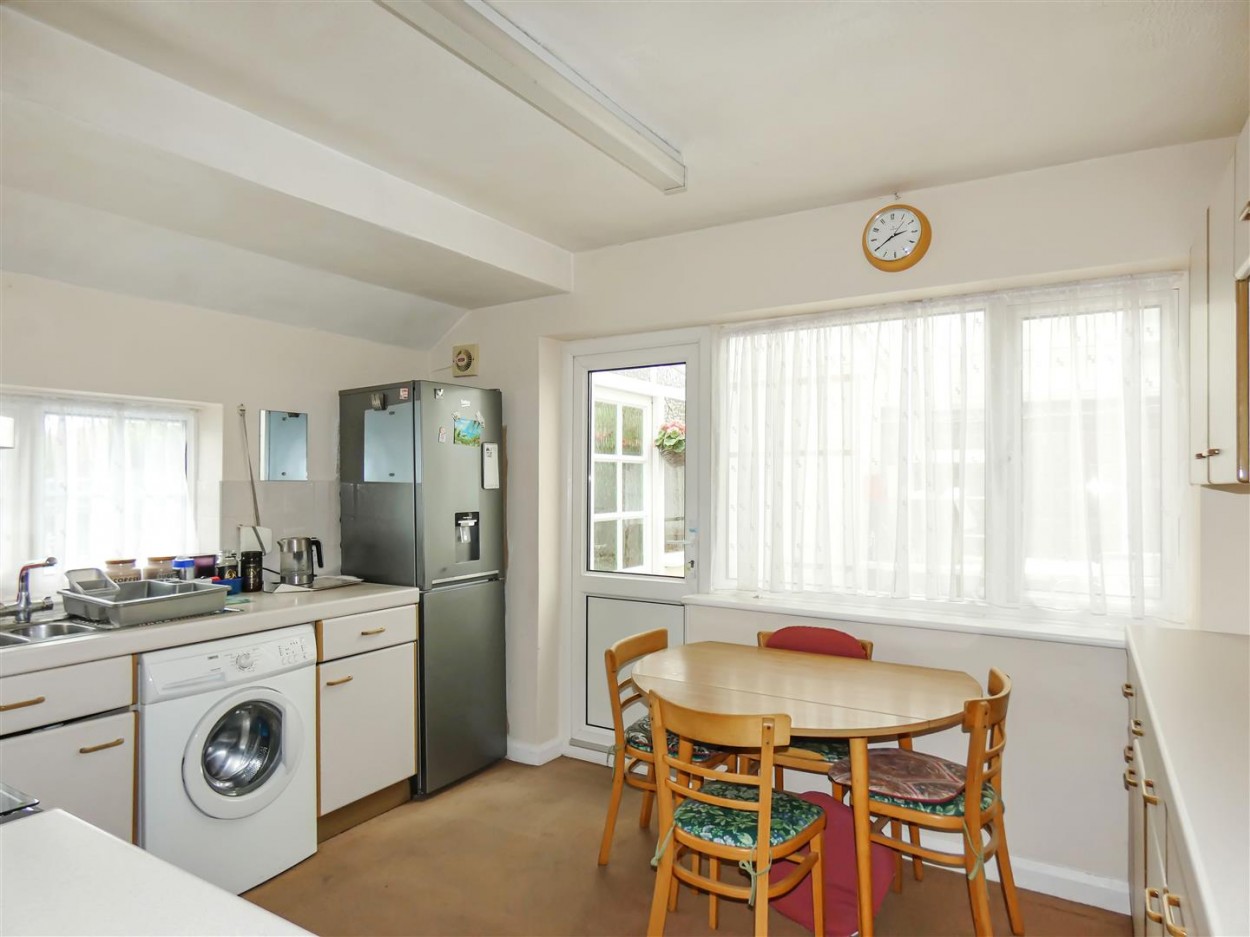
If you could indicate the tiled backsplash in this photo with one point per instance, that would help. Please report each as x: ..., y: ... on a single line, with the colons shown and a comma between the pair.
x: 289, y: 509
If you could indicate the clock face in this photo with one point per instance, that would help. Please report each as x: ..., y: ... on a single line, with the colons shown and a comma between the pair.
x: 893, y: 233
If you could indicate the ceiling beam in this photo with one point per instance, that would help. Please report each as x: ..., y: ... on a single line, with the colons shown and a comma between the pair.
x: 477, y: 33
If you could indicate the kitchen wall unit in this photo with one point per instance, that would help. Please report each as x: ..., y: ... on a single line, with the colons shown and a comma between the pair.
x: 366, y: 699
x: 1241, y: 204
x: 1219, y: 334
x: 1188, y: 780
x: 58, y: 747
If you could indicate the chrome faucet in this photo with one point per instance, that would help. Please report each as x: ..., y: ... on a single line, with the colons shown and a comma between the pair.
x: 21, y: 609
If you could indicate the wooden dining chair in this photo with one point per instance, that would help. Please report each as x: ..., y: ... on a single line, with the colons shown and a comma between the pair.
x: 633, y: 762
x: 815, y: 754
x: 729, y: 817
x: 914, y: 788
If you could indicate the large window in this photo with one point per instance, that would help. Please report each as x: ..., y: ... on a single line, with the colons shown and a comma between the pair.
x: 1019, y: 449
x: 91, y: 479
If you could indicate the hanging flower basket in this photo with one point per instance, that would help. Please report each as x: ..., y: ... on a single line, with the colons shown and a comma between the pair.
x: 670, y: 439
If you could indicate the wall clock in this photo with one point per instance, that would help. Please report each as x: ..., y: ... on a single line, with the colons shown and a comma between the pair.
x: 896, y: 237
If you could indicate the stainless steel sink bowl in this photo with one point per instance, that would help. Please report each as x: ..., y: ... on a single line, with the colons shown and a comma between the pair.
x: 58, y: 629
x: 10, y: 640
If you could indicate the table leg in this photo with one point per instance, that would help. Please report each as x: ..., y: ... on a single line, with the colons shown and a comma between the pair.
x: 863, y: 832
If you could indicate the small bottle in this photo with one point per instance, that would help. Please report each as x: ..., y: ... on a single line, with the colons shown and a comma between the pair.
x: 184, y: 567
x: 250, y: 570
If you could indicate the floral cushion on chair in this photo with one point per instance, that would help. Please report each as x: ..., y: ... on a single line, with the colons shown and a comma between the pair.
x: 907, y: 778
x: 728, y: 827
x: 826, y: 749
x: 638, y: 735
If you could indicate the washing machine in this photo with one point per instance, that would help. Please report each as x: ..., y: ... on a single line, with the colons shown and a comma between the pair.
x: 228, y: 755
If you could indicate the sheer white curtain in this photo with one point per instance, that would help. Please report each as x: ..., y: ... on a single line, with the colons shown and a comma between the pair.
x: 1014, y: 449
x: 92, y: 479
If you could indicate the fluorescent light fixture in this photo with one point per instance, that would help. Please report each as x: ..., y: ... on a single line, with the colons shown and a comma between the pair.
x: 479, y: 34
x: 6, y: 432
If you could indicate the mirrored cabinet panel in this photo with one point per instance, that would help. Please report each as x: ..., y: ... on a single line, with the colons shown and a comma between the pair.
x: 283, y: 446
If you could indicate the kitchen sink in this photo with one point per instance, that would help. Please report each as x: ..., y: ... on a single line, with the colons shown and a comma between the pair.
x: 46, y: 630
x: 9, y: 640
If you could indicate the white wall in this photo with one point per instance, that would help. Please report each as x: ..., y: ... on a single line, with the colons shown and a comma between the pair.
x: 64, y: 337
x: 1127, y: 213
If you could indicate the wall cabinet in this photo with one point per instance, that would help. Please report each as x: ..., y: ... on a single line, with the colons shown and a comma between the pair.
x: 1219, y: 338
x: 82, y: 762
x: 1241, y: 204
x: 366, y: 699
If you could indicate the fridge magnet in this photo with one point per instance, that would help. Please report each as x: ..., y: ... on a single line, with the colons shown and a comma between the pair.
x: 442, y: 434
x: 466, y: 432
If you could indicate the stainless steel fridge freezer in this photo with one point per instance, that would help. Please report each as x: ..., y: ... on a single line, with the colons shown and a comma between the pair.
x: 421, y: 505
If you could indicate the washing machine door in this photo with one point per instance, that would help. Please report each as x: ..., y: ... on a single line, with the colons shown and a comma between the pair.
x: 243, y: 753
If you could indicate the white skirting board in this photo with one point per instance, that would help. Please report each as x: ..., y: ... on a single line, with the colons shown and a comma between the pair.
x: 1069, y: 884
x: 527, y: 754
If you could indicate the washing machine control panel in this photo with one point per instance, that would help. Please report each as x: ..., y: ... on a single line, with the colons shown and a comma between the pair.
x: 184, y: 671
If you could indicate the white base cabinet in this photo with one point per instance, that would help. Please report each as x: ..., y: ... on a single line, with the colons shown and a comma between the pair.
x: 366, y: 703
x: 86, y: 768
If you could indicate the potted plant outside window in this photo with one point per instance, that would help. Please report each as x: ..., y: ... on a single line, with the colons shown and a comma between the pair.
x: 670, y: 439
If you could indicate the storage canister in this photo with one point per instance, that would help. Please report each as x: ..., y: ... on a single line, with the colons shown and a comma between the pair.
x: 250, y: 569
x: 121, y: 570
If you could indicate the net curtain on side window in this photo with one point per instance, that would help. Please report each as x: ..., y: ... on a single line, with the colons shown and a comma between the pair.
x: 1018, y: 449
x: 94, y: 478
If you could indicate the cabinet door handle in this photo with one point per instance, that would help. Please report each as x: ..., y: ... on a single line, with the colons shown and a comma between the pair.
x: 1245, y: 212
x: 88, y: 749
x: 1171, y: 901
x: 1152, y: 895
x: 1200, y: 455
x: 1148, y: 792
x: 1213, y: 452
x: 1136, y: 729
x: 371, y: 631
x: 339, y: 682
x: 1127, y: 690
x: 1128, y: 754
x: 23, y: 704
x: 1130, y: 777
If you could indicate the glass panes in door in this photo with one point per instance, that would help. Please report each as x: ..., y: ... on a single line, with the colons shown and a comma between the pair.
x: 637, y: 471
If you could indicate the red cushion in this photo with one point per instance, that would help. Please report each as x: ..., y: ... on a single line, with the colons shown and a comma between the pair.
x: 838, y: 859
x: 816, y: 641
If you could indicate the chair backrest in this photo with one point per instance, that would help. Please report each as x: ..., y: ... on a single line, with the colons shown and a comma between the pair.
x: 623, y: 693
x: 816, y: 641
x: 985, y: 721
x: 680, y: 778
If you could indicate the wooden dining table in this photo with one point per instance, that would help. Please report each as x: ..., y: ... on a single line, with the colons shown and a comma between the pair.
x: 824, y: 696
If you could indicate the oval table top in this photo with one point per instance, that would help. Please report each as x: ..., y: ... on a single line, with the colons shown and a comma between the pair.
x: 829, y: 697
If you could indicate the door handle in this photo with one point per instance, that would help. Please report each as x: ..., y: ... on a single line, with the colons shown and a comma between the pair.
x: 89, y: 749
x: 339, y: 682
x: 1130, y: 778
x: 1136, y: 728
x: 1213, y: 452
x: 371, y: 631
x: 23, y: 704
x: 1152, y: 895
x: 1148, y: 792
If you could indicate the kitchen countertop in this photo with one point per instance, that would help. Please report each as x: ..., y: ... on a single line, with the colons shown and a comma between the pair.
x: 64, y: 876
x: 1196, y: 685
x: 263, y: 612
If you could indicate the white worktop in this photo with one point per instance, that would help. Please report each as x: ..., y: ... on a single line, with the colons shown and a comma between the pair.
x: 262, y: 612
x: 64, y: 876
x: 1196, y: 685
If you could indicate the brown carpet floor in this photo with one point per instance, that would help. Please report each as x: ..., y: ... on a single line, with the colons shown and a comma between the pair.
x: 512, y: 851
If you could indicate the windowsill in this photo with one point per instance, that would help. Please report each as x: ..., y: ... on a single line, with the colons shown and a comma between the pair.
x: 992, y: 622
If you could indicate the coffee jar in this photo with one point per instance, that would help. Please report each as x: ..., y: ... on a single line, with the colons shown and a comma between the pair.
x: 250, y: 570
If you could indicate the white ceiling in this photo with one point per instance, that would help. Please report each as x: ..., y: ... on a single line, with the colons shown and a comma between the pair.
x: 775, y: 106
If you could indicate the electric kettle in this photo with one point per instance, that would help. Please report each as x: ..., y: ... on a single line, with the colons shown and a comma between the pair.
x: 296, y: 560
